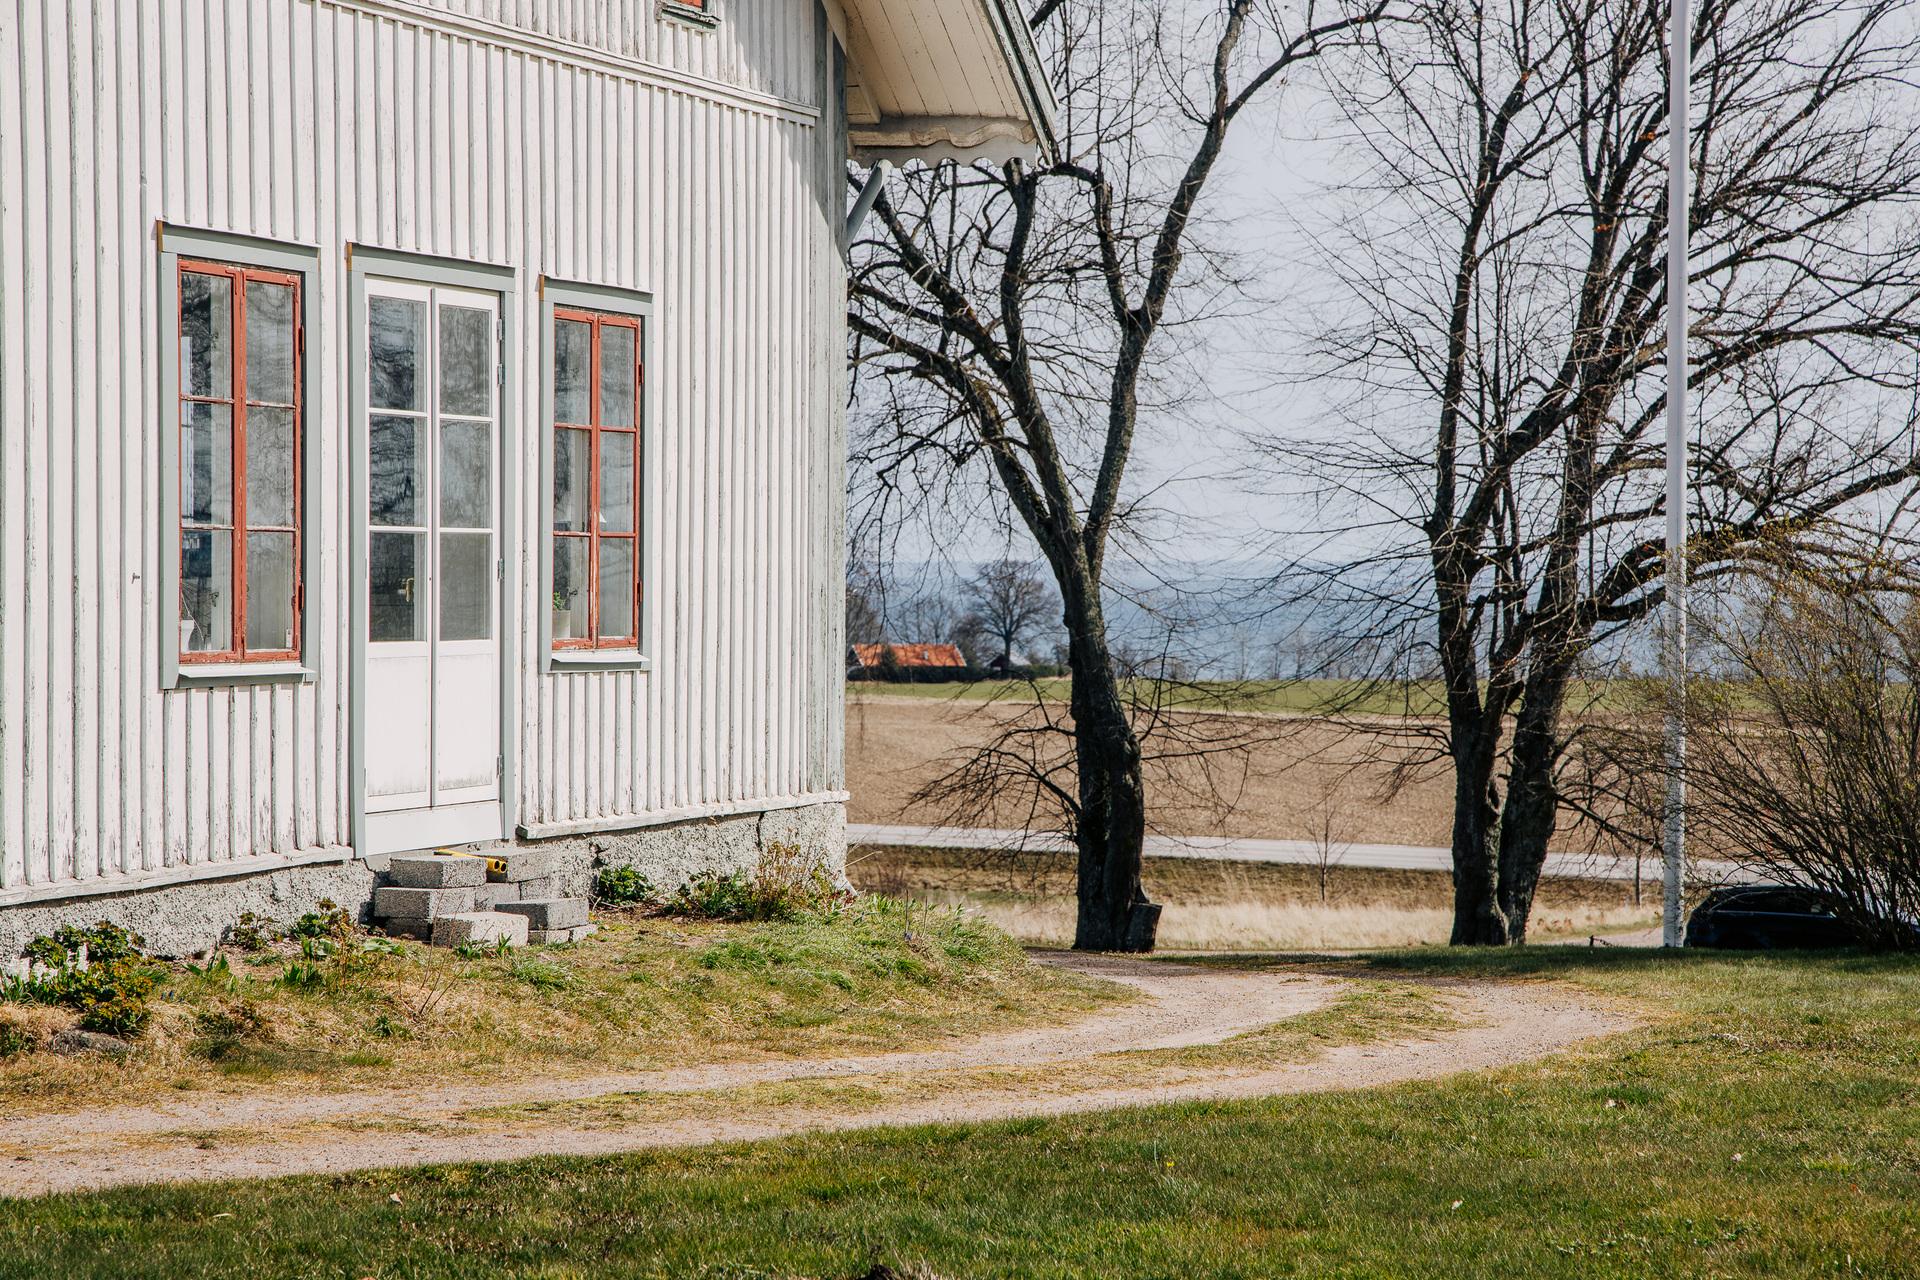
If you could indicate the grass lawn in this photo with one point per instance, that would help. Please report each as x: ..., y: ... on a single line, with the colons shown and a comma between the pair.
x: 1765, y: 1122
x: 645, y: 992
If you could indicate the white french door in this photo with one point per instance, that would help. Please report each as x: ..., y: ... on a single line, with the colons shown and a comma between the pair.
x: 431, y: 617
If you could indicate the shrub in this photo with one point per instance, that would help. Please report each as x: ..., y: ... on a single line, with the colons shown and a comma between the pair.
x: 100, y: 973
x: 1803, y: 755
x: 788, y: 883
x: 330, y: 921
x: 619, y: 886
x: 249, y: 932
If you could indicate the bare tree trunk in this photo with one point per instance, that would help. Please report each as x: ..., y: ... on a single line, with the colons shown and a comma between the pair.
x: 1476, y: 860
x: 1114, y: 914
x: 1532, y: 811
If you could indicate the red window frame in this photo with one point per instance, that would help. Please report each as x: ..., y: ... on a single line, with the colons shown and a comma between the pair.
x: 596, y: 430
x: 238, y: 403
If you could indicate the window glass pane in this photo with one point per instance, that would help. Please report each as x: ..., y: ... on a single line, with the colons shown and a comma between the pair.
x: 616, y: 587
x: 396, y: 341
x: 466, y: 586
x: 616, y: 482
x: 206, y: 335
x: 270, y: 591
x: 570, y: 617
x: 396, y: 591
x: 616, y: 376
x: 572, y: 370
x: 269, y: 341
x: 206, y: 463
x: 206, y: 591
x: 572, y: 490
x: 269, y: 467
x: 466, y: 361
x: 396, y: 471
x: 466, y: 475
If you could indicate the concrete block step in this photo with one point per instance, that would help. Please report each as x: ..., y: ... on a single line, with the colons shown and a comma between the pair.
x: 550, y: 913
x: 436, y: 871
x: 420, y: 904
x: 480, y: 926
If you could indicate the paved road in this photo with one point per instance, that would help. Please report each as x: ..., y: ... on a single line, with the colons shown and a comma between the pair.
x: 1396, y: 857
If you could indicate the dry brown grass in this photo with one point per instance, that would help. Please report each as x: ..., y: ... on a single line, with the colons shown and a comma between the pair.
x: 1214, y: 905
x: 643, y: 993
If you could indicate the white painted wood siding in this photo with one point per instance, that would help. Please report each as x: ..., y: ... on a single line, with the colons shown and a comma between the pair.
x: 696, y: 166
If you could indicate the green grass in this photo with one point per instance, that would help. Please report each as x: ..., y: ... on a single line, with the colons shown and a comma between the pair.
x: 1806, y: 1068
x: 645, y: 992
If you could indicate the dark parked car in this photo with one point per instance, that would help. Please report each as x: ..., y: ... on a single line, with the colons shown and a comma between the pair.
x: 1768, y: 917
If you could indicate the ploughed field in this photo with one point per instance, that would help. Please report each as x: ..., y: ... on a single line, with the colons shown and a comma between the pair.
x: 899, y: 735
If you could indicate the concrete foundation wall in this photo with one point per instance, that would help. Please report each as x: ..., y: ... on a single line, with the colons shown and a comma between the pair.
x: 189, y: 918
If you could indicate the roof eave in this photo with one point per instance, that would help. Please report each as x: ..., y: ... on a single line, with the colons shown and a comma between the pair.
x: 1031, y: 135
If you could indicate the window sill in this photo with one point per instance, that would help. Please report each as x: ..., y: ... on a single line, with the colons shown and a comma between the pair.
x: 588, y: 660
x: 699, y: 19
x: 201, y: 675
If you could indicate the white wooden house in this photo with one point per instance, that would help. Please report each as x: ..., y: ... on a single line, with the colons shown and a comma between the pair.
x: 420, y: 423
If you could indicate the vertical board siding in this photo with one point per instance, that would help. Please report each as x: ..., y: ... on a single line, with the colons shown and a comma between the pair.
x: 764, y: 46
x: 419, y: 127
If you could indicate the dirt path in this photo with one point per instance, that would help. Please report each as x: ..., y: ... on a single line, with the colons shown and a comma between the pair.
x: 1185, y: 1005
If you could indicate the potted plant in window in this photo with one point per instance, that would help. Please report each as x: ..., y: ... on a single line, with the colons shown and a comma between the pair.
x: 563, y: 615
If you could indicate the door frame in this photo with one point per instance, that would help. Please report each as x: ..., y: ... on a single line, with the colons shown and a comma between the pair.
x: 363, y: 262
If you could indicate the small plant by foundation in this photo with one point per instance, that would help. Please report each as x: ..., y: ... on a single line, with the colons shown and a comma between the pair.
x: 788, y: 883
x: 623, y: 886
x: 100, y: 973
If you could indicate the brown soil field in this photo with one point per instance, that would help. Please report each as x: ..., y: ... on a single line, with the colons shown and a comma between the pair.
x: 896, y: 745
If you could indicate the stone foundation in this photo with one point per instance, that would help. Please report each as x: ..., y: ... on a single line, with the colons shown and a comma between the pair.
x: 186, y: 919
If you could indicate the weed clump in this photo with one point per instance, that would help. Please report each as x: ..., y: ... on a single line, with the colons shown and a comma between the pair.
x: 623, y: 886
x: 101, y: 973
x: 787, y: 884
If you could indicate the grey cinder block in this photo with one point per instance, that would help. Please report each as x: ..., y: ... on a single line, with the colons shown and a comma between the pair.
x: 574, y: 934
x: 523, y: 864
x: 420, y: 904
x: 409, y: 927
x: 550, y: 913
x: 540, y: 887
x: 489, y: 896
x: 480, y: 926
x: 430, y: 871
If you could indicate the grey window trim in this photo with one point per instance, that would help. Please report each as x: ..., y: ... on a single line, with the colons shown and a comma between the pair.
x: 626, y: 302
x: 176, y: 242
x: 364, y: 261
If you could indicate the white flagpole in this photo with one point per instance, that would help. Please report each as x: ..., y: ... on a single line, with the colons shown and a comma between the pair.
x: 1674, y: 834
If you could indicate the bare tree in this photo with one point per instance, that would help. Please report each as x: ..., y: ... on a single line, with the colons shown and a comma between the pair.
x: 1804, y: 753
x: 1499, y: 453
x: 1330, y: 845
x: 866, y: 603
x: 1009, y: 600
x: 1010, y: 321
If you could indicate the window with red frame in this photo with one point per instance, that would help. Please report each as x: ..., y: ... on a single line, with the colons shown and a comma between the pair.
x: 597, y: 380
x: 240, y: 484
x: 700, y: 11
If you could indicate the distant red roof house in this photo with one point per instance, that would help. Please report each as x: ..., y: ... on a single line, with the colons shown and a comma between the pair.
x: 909, y: 655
